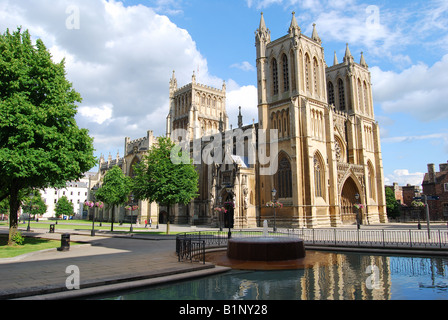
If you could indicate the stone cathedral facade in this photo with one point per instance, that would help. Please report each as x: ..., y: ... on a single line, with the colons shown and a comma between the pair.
x: 315, y: 123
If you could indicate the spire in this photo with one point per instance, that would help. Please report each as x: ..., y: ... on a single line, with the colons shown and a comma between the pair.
x: 315, y: 36
x: 193, y: 78
x: 348, y: 55
x: 363, y: 61
x: 262, y: 27
x: 335, y: 61
x: 173, y: 81
x: 240, y: 119
x: 294, y: 28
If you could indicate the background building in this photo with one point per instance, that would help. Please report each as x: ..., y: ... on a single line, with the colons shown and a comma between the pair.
x: 436, y: 184
x: 77, y: 192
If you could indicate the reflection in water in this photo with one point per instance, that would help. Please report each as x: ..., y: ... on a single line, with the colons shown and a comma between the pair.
x: 338, y: 277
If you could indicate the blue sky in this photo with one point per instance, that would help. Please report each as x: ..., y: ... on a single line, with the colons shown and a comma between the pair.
x: 120, y: 56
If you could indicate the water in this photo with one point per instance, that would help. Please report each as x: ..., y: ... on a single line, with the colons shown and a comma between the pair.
x: 340, y: 277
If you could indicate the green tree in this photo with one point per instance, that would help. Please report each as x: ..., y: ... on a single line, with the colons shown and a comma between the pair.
x: 159, y: 179
x: 115, y: 190
x: 64, y: 207
x: 40, y: 143
x: 38, y: 206
x: 391, y: 204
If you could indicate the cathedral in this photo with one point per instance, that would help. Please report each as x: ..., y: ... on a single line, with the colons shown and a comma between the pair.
x: 312, y: 160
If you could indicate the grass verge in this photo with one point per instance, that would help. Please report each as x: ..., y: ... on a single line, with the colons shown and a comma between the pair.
x: 29, y: 245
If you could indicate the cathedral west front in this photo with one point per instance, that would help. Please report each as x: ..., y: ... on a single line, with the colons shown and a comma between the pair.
x: 314, y: 152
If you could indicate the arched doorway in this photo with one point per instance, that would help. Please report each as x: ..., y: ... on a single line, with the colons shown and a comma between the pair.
x: 348, y: 200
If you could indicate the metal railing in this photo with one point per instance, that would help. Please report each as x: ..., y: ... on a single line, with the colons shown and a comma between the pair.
x: 192, y: 246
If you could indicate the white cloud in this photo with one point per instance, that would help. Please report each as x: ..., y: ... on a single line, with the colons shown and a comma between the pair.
x: 120, y: 60
x: 245, y: 66
x: 97, y: 114
x: 404, y: 177
x: 419, y: 90
x: 244, y: 97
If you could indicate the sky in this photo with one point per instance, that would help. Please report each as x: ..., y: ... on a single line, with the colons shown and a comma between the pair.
x: 120, y: 56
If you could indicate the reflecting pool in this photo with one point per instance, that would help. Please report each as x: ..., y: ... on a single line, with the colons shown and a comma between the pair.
x: 342, y: 276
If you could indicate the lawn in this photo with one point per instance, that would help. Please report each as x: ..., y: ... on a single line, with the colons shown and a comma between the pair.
x: 29, y: 245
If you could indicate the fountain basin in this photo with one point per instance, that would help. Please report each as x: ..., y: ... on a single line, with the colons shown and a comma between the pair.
x: 265, y: 249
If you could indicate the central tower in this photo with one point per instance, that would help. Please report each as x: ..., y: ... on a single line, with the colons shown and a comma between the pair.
x: 196, y: 108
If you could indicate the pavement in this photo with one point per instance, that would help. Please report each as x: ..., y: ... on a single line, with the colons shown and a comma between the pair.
x: 105, y: 263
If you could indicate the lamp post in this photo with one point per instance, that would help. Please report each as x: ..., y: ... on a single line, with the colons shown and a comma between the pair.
x: 29, y: 214
x: 220, y: 214
x: 132, y: 209
x: 92, y: 233
x: 357, y: 211
x: 274, y: 192
x: 229, y: 190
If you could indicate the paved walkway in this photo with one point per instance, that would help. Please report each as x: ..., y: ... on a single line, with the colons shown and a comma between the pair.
x: 119, y: 262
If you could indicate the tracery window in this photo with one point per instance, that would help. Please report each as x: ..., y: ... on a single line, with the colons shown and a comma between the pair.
x: 285, y: 73
x: 283, y: 178
x: 316, y: 76
x: 330, y: 93
x: 341, y: 94
x: 318, y: 177
x: 274, y: 77
x: 307, y: 72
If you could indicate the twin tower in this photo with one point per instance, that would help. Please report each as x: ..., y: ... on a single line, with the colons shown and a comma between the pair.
x: 329, y: 155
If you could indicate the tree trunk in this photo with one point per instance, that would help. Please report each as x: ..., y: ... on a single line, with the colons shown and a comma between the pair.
x: 113, y: 218
x: 14, y: 205
x: 168, y: 220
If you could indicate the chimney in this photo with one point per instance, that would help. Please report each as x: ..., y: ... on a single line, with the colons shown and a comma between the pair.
x: 431, y: 173
x: 443, y: 167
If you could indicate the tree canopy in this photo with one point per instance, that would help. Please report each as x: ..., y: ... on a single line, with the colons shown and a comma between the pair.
x: 115, y: 190
x: 40, y: 143
x: 159, y: 179
x: 64, y: 207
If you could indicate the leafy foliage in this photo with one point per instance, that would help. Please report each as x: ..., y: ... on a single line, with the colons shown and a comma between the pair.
x: 160, y: 180
x: 115, y: 189
x: 63, y: 207
x: 40, y: 142
x: 391, y: 204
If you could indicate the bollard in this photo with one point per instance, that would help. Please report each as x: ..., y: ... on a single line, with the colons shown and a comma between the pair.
x: 65, y: 242
x: 52, y: 228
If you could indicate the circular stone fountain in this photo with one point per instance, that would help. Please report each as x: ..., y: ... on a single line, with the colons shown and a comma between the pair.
x: 266, y: 248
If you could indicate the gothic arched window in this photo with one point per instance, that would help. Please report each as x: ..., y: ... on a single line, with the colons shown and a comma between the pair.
x: 283, y: 178
x: 274, y: 77
x: 285, y: 73
x: 341, y: 91
x: 307, y: 71
x: 316, y: 76
x: 330, y: 93
x: 318, y: 177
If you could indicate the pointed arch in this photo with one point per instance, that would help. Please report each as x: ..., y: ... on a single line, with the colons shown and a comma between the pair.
x: 293, y: 71
x: 307, y: 72
x: 330, y: 89
x: 285, y: 70
x: 319, y: 175
x: 371, y: 181
x: 316, y: 82
x: 341, y: 94
x: 283, y: 177
x: 274, y: 69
